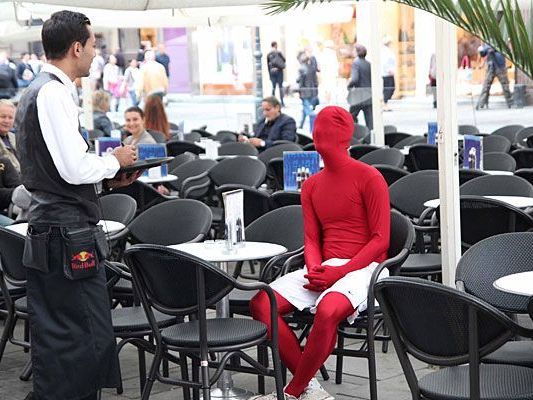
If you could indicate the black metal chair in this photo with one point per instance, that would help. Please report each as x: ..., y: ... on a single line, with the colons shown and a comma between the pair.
x: 226, y: 136
x: 277, y: 151
x: 283, y: 198
x: 309, y: 147
x: 488, y: 261
x: 359, y: 150
x: 393, y: 138
x: 389, y: 129
x: 498, y: 162
x: 508, y: 131
x: 467, y: 130
x: 177, y: 147
x: 172, y: 222
x: 303, y: 140
x: 180, y: 160
x: 410, y: 141
x: 360, y: 133
x: 390, y: 173
x: 497, y: 185
x: 145, y: 195
x: 525, y: 173
x: 159, y: 137
x: 424, y: 156
x: 368, y: 323
x: 466, y: 175
x: 237, y: 149
x: 393, y: 157
x: 239, y: 170
x: 496, y: 144
x: 192, y: 137
x: 522, y: 136
x: 275, y: 174
x: 442, y: 326
x: 188, y: 184
x: 523, y: 158
x: 178, y: 284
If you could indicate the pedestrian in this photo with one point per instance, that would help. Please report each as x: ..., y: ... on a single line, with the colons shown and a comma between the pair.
x: 276, y: 65
x: 8, y: 77
x: 432, y: 74
x: 308, y: 84
x: 72, y: 342
x: 25, y: 73
x: 131, y: 81
x: 163, y: 58
x: 359, y: 87
x: 97, y: 70
x: 346, y: 216
x: 153, y: 77
x: 496, y: 67
x: 113, y: 80
x: 121, y: 61
x: 388, y: 69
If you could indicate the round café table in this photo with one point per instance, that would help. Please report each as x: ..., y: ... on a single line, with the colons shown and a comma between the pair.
x: 520, y: 283
x: 160, y: 179
x: 217, y: 252
x: 516, y: 201
x: 109, y: 227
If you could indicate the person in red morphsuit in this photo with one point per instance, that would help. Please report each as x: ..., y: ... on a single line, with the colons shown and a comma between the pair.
x: 346, y: 225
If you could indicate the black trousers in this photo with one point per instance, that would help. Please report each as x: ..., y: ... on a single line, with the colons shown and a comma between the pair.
x: 367, y: 111
x: 388, y: 88
x: 276, y: 78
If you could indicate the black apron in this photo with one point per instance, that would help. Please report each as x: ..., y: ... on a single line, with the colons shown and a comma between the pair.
x: 72, y: 341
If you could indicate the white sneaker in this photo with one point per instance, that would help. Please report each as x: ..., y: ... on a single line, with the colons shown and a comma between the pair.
x: 272, y: 396
x: 315, y: 391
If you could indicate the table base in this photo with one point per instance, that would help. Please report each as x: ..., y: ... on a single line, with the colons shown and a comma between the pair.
x: 231, y: 393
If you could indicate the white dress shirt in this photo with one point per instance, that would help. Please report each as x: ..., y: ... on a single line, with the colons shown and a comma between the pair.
x: 58, y: 118
x: 388, y: 61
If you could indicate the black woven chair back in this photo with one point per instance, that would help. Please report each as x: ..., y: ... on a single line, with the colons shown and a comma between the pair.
x: 392, y: 138
x: 408, y: 194
x: 523, y: 158
x: 390, y: 173
x: 526, y: 173
x: 359, y: 150
x: 237, y: 149
x: 385, y: 156
x: 498, y: 162
x: 275, y: 173
x: 226, y: 136
x: 256, y: 202
x: 402, y: 236
x: 389, y: 129
x: 466, y: 175
x: 523, y: 135
x: 118, y: 207
x: 180, y: 160
x: 496, y: 144
x: 509, y: 131
x: 283, y: 198
x: 188, y: 170
x: 424, y: 156
x: 203, y: 133
x: 159, y: 137
x: 482, y: 217
x: 172, y: 222
x: 309, y: 147
x: 145, y: 195
x: 431, y: 321
x: 467, y: 130
x: 169, y: 278
x: 177, y: 147
x: 11, y: 251
x: 239, y: 170
x: 360, y: 132
x: 497, y: 185
x: 192, y: 137
x: 277, y: 151
x: 410, y: 141
x: 491, y: 259
x: 283, y: 226
x: 303, y: 140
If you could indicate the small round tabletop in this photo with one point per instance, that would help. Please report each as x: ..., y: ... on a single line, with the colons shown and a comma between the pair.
x: 496, y: 172
x: 215, y: 251
x: 108, y: 227
x: 521, y: 283
x: 516, y: 201
x: 160, y: 179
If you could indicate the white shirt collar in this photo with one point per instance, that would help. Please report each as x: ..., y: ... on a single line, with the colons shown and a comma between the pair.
x: 63, y: 78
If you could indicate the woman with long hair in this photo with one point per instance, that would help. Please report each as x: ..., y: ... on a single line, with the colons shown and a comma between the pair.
x: 155, y: 117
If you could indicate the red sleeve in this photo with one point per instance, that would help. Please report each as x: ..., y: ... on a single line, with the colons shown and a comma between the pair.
x: 376, y: 199
x: 312, y: 228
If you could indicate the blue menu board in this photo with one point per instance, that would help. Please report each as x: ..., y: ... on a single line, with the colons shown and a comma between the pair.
x: 146, y: 151
x: 473, y: 152
x: 298, y: 166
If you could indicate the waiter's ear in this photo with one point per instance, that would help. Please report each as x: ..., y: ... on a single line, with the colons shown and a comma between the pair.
x: 76, y: 49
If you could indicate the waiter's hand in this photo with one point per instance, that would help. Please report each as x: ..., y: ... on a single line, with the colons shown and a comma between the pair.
x: 123, y: 179
x: 125, y: 155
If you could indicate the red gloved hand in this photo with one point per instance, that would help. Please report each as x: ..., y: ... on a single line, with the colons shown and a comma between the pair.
x: 323, y: 277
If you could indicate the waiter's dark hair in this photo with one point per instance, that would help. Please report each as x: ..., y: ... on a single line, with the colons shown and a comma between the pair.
x: 61, y: 30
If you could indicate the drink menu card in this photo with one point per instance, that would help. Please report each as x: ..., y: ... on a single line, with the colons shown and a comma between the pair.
x: 298, y: 166
x: 157, y: 150
x: 106, y: 145
x: 433, y: 129
x: 473, y: 152
x: 234, y: 217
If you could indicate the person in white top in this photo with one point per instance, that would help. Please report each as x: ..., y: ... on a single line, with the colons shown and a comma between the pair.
x: 388, y: 69
x: 113, y: 80
x: 130, y: 82
x: 96, y: 70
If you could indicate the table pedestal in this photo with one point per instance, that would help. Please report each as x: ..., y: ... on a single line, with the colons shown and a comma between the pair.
x: 225, y: 389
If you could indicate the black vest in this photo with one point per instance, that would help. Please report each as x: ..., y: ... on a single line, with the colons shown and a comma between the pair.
x: 54, y: 201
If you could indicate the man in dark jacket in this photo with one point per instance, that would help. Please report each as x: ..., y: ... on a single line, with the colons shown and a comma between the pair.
x: 360, y: 92
x: 496, y: 68
x: 275, y: 126
x: 276, y: 65
x: 8, y: 78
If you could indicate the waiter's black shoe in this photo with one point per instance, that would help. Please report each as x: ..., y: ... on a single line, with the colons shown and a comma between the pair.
x: 29, y: 396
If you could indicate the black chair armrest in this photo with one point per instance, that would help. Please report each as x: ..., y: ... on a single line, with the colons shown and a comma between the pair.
x: 297, y: 261
x: 119, y: 269
x: 200, y: 237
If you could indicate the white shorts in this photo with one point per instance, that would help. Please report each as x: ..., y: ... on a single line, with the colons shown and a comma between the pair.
x: 353, y: 285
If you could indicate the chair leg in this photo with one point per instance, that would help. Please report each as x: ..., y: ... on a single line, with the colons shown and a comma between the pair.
x: 385, y: 343
x: 9, y: 324
x: 26, y: 372
x: 26, y: 334
x: 340, y: 359
x: 184, y: 375
x: 324, y: 373
x: 151, y: 377
x: 261, y: 359
x: 142, y: 368
x: 372, y: 378
x: 165, y: 367
x: 195, y: 368
x: 278, y: 375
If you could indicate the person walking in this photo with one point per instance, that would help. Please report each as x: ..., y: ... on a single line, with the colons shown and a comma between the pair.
x: 8, y: 77
x: 113, y: 80
x: 130, y: 82
x: 25, y: 73
x: 72, y: 342
x: 163, y: 58
x: 496, y: 68
x: 308, y: 83
x: 276, y: 65
x: 153, y: 77
x: 388, y: 69
x: 359, y: 87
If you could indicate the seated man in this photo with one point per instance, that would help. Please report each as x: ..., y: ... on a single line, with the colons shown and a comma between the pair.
x: 346, y: 227
x: 9, y: 180
x: 275, y: 126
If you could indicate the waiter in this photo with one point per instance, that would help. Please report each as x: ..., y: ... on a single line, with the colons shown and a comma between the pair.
x: 73, y: 347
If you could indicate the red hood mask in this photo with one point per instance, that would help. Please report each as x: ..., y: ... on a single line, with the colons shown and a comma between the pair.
x: 332, y: 135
